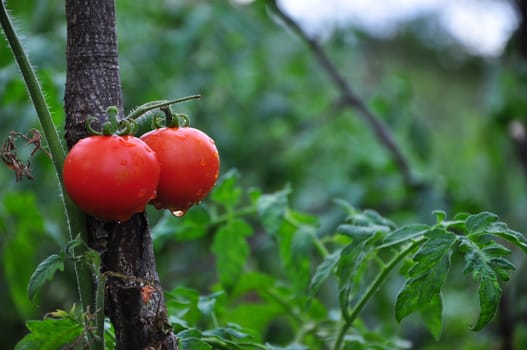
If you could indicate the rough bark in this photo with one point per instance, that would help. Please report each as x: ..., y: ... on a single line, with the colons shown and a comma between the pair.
x: 93, y: 84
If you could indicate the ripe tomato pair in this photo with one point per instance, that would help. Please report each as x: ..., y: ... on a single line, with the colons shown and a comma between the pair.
x: 114, y: 177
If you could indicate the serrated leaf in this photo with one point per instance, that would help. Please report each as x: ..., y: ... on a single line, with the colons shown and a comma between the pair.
x: 323, y: 271
x: 191, y: 343
x: 479, y: 222
x: 272, y: 208
x: 405, y: 233
x: 50, y: 334
x: 359, y: 233
x: 191, y: 226
x: 432, y: 315
x: 231, y: 250
x: 378, y: 219
x: 495, y: 249
x: 489, y: 298
x: 501, y: 230
x: 44, y: 272
x: 183, y: 305
x: 227, y: 192
x: 502, y: 267
x: 480, y: 265
x: 432, y: 251
x: 418, y: 292
x: 206, y: 303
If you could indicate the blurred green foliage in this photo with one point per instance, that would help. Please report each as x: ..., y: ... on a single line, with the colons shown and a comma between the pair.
x: 276, y: 118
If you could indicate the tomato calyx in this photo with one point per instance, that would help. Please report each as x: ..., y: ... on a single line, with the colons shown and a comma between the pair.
x: 113, y: 126
x: 171, y: 119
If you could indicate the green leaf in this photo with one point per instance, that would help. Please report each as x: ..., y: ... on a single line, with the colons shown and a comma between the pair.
x: 226, y: 191
x: 489, y: 298
x: 182, y: 304
x: 405, y: 233
x: 24, y: 228
x: 206, y: 303
x: 440, y: 215
x: 50, y: 334
x: 500, y: 229
x: 294, y: 239
x: 485, y: 270
x: 293, y: 346
x: 359, y: 233
x: 432, y: 315
x: 193, y: 343
x: 231, y: 250
x: 417, y: 294
x: 272, y: 208
x: 323, y: 271
x: 377, y: 219
x: 479, y: 222
x: 432, y: 251
x: 44, y: 272
x: 191, y: 226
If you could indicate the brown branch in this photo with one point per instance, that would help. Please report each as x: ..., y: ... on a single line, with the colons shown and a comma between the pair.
x: 138, y: 315
x: 350, y: 98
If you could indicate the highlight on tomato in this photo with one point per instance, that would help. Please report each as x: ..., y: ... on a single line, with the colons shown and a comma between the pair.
x: 189, y: 163
x: 111, y: 177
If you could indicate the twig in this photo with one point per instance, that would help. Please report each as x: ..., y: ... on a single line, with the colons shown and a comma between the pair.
x: 349, y: 97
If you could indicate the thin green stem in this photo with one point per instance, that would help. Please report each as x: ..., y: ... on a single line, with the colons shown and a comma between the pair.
x: 74, y: 217
x: 370, y: 292
x: 150, y: 106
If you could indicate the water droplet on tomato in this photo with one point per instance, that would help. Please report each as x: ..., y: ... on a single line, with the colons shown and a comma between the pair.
x: 178, y: 213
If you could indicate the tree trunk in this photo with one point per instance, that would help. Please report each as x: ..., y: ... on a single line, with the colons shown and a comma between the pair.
x: 93, y: 84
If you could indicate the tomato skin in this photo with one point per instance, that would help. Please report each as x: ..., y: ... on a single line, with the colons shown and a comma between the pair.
x: 190, y: 165
x: 111, y: 177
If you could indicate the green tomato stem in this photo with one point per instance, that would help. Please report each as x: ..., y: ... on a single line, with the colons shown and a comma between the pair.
x: 370, y: 292
x: 74, y: 217
x: 150, y: 106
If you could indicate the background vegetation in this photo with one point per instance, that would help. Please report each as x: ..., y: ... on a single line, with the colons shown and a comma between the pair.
x: 278, y: 120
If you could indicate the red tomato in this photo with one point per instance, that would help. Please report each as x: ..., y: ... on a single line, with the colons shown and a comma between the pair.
x: 111, y: 177
x: 190, y: 166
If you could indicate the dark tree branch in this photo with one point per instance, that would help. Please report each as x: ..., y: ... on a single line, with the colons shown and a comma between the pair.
x: 349, y: 97
x: 92, y: 85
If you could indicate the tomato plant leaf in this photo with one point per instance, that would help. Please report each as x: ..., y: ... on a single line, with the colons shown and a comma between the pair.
x: 500, y: 229
x: 432, y: 315
x: 432, y: 251
x: 479, y: 222
x: 422, y: 292
x: 405, y: 233
x: 485, y: 269
x: 44, y: 272
x: 227, y: 192
x: 417, y: 292
x: 193, y: 343
x: 359, y: 232
x: 50, y: 334
x: 206, y: 303
x: 231, y: 250
x: 192, y: 225
x: 323, y: 271
x: 272, y: 208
